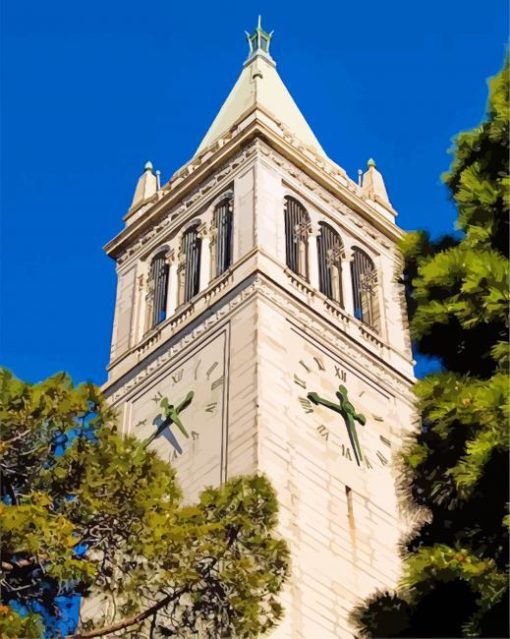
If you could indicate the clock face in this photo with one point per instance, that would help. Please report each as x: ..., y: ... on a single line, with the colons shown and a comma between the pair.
x: 181, y: 416
x: 350, y: 414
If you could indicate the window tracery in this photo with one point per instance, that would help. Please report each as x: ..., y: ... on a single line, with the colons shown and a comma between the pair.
x: 365, y: 288
x: 297, y: 232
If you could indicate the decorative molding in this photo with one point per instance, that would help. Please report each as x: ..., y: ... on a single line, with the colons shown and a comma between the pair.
x: 293, y: 309
x: 330, y: 336
x: 299, y: 282
x: 219, y: 284
x: 306, y: 182
x: 179, y: 211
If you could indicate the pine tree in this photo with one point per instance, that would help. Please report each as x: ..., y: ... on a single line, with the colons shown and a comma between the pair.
x: 455, y: 470
x: 88, y: 513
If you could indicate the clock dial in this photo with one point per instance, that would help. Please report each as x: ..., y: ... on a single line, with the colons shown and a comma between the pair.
x: 181, y: 416
x: 348, y: 413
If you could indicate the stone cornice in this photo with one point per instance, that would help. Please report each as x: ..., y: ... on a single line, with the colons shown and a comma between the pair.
x: 383, y: 373
x: 254, y: 124
x: 324, y: 200
x: 168, y: 218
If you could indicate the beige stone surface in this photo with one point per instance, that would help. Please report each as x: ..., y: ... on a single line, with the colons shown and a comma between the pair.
x: 260, y: 86
x: 272, y: 337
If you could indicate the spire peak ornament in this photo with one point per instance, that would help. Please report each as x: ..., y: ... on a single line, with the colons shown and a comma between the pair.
x: 259, y: 41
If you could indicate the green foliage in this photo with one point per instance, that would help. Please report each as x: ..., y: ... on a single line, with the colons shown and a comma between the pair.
x: 12, y: 625
x: 455, y: 580
x: 214, y: 567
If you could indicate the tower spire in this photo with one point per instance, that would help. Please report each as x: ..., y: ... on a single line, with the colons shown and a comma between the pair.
x: 260, y: 86
x: 259, y: 41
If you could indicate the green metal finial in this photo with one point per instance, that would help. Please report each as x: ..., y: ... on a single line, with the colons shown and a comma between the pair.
x: 148, y: 166
x: 371, y: 163
x: 259, y: 41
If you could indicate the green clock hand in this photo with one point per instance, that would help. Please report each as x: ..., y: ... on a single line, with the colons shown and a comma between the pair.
x: 347, y: 411
x: 171, y: 417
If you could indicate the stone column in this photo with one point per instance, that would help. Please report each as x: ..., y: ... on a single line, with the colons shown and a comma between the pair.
x: 172, y: 293
x: 347, y: 282
x: 313, y: 255
x: 180, y: 275
x: 149, y: 305
x: 205, y: 257
x: 213, y: 245
x: 333, y: 262
x: 140, y: 302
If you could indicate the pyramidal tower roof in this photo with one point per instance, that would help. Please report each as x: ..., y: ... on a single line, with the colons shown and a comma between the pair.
x: 260, y: 86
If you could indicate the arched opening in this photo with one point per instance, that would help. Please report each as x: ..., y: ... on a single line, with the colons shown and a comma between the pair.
x: 158, y: 286
x: 297, y: 230
x: 222, y: 246
x: 330, y: 250
x: 189, y: 270
x: 364, y: 288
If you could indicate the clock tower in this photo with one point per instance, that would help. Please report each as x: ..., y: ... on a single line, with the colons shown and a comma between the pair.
x: 259, y: 327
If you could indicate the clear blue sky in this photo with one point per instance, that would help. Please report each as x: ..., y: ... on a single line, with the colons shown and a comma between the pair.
x: 92, y: 90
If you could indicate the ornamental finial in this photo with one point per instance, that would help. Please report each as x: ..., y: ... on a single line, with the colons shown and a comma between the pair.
x: 259, y: 41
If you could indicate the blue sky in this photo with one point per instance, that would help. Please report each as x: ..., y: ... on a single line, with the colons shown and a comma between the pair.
x: 92, y: 90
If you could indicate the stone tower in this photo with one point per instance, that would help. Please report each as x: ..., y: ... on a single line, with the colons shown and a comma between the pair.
x: 256, y: 294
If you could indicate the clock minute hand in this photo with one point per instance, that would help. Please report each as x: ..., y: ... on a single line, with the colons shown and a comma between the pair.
x: 176, y: 420
x: 173, y: 413
x: 350, y: 415
x: 185, y: 402
x: 347, y: 417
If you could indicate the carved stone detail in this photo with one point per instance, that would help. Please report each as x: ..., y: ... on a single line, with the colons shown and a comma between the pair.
x: 170, y: 215
x: 262, y: 287
x: 321, y: 192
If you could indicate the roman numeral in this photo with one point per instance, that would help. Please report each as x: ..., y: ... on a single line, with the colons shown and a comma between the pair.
x: 299, y: 381
x: 323, y: 432
x: 195, y: 435
x: 211, y: 408
x: 142, y: 422
x: 306, y: 404
x: 210, y: 369
x: 340, y: 373
x: 378, y: 418
x: 385, y: 441
x: 176, y: 378
x: 307, y: 369
x: 382, y: 458
x: 320, y: 364
x: 217, y: 383
x: 195, y: 372
x: 157, y: 398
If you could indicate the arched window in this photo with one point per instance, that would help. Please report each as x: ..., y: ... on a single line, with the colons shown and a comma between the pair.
x: 222, y: 244
x: 297, y: 230
x: 364, y: 288
x: 158, y: 287
x: 330, y: 251
x: 189, y: 268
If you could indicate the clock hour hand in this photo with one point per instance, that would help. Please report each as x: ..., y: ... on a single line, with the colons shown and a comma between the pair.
x: 316, y: 399
x: 346, y: 410
x: 172, y: 413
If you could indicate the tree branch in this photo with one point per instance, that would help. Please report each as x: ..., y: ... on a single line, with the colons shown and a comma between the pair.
x: 130, y: 621
x: 152, y: 610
